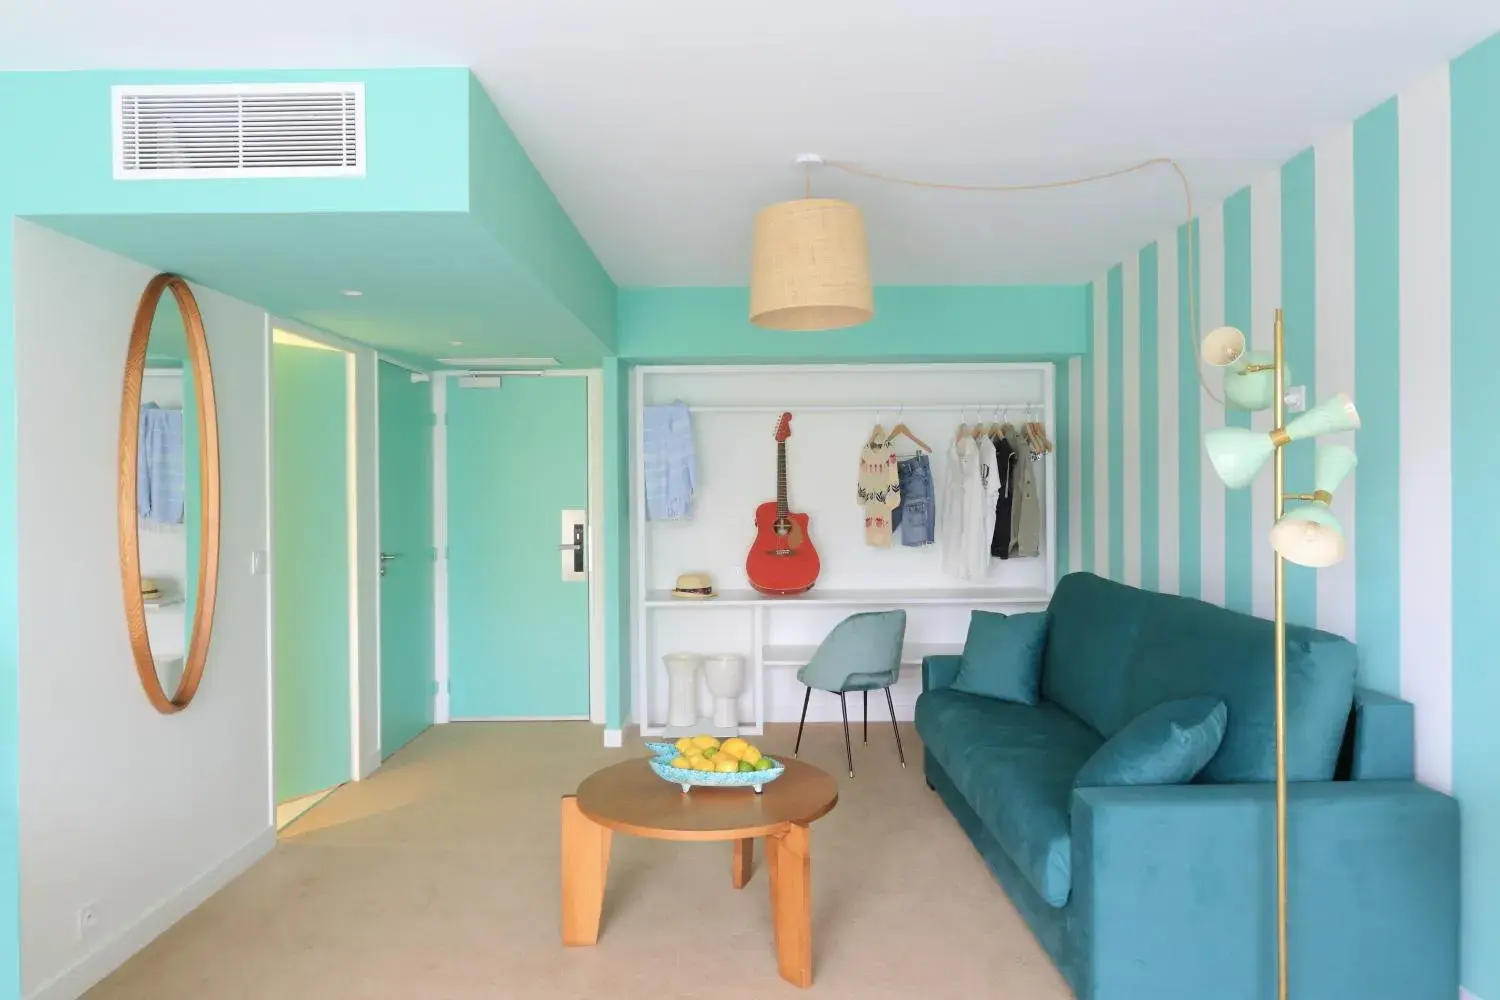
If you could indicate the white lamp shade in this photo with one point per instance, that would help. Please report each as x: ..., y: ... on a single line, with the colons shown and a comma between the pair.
x: 1223, y: 346
x: 1309, y: 535
x: 810, y: 269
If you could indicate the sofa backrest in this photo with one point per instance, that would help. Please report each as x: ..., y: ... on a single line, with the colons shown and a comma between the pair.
x: 1092, y: 629
x: 1177, y: 647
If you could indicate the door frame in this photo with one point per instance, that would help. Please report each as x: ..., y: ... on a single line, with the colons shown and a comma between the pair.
x: 594, y: 513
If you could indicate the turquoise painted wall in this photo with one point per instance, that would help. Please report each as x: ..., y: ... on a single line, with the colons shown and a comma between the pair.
x: 310, y: 569
x: 417, y: 136
x: 513, y: 202
x: 1352, y: 237
x: 1476, y: 496
x: 912, y: 323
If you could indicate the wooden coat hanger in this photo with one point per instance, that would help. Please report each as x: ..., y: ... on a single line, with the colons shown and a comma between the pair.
x: 902, y: 429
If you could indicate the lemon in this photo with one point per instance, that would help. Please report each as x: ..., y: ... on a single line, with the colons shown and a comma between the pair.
x: 685, y: 745
x: 682, y: 762
x: 702, y: 764
x: 735, y: 746
x: 728, y: 765
x: 751, y: 755
x: 704, y: 742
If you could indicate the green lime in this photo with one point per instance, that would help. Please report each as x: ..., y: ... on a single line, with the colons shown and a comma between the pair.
x: 745, y: 766
x: 764, y: 764
x: 710, y: 751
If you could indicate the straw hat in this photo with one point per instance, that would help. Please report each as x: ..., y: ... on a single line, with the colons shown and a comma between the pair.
x: 694, y: 587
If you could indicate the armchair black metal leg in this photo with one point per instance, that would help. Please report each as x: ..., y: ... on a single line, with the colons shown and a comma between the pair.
x: 867, y: 718
x: 848, y: 749
x: 892, y: 706
x: 805, y: 699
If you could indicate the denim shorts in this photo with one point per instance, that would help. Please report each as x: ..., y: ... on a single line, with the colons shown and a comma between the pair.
x: 914, y: 518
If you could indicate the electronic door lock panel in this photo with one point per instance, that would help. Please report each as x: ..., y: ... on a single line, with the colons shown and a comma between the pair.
x: 574, y: 545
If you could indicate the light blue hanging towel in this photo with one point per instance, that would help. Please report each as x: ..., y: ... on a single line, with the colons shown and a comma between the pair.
x: 158, y: 471
x: 671, y: 464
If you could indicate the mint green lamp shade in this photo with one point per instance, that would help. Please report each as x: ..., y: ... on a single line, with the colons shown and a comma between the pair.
x: 1226, y: 348
x: 1238, y: 453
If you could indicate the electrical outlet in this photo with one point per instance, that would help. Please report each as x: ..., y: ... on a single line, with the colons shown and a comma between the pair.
x: 88, y: 920
x: 1296, y: 398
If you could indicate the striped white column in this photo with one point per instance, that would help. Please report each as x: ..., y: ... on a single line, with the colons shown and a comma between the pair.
x: 1211, y: 284
x: 1333, y: 215
x: 1168, y: 345
x: 1130, y: 361
x: 1265, y: 299
x: 1426, y: 536
x: 1075, y: 464
x: 1102, y: 361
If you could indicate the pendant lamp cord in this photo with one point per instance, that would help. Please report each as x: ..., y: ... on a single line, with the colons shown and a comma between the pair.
x: 1158, y: 161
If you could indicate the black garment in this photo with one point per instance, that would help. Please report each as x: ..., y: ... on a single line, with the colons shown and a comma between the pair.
x: 1005, y: 463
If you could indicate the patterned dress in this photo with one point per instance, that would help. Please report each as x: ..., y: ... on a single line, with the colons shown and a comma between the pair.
x: 879, y: 491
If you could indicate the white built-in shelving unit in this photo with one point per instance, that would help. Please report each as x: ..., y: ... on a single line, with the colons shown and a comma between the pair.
x: 833, y: 407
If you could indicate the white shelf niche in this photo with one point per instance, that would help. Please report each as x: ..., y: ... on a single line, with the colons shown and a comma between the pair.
x: 834, y: 406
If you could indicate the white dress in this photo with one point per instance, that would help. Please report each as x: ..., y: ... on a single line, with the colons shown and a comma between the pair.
x: 960, y: 528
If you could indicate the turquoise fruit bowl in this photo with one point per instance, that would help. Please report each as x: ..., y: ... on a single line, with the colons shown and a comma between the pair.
x: 690, y: 779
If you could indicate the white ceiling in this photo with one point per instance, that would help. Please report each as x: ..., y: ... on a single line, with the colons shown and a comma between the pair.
x: 663, y: 125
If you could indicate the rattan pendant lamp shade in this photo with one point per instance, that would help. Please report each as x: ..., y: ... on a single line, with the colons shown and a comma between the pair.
x: 811, y: 266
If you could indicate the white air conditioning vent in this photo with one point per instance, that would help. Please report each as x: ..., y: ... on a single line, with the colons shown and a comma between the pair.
x: 239, y: 130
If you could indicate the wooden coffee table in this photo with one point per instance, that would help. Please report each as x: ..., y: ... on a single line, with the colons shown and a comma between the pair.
x: 630, y: 798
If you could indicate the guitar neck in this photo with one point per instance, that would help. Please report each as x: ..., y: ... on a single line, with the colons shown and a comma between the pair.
x: 781, y: 507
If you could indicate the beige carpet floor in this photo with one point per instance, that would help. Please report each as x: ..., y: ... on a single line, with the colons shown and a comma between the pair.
x: 438, y: 878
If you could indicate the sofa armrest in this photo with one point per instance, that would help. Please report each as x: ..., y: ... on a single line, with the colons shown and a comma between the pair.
x: 1384, y: 737
x: 939, y: 671
x: 1175, y: 893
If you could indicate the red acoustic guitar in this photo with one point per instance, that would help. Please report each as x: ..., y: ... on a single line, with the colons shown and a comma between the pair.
x: 782, y: 561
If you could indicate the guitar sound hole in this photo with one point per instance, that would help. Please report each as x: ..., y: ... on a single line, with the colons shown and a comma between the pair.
x: 783, y: 528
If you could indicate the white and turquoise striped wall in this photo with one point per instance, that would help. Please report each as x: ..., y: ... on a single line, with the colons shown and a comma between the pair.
x: 1382, y: 244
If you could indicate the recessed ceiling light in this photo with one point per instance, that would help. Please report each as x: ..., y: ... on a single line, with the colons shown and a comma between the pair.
x: 352, y: 293
x: 455, y: 343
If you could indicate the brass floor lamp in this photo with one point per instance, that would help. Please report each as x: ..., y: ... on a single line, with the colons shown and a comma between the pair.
x: 1308, y: 535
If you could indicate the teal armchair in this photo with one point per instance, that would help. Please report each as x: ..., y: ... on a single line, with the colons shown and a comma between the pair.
x: 862, y: 653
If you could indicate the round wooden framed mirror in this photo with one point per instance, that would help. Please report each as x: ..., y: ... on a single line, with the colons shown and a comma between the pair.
x: 169, y: 493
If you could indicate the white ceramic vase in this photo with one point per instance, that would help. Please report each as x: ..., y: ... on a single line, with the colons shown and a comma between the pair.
x: 725, y: 673
x: 682, y: 688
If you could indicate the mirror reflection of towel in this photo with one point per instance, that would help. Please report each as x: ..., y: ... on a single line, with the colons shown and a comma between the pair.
x: 159, y: 475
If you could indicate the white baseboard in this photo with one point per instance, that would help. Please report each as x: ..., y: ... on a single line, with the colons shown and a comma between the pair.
x: 614, y: 738
x: 73, y: 982
x: 520, y: 718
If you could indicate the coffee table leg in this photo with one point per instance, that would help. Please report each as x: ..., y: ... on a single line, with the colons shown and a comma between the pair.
x: 744, y: 859
x: 790, y: 864
x: 585, y: 866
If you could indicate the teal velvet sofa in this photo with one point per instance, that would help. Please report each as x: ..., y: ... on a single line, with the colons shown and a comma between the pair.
x: 1168, y: 892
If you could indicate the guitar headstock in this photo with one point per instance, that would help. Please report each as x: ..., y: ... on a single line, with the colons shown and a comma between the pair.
x: 784, y: 427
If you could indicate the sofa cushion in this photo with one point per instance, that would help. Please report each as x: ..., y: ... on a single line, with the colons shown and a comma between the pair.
x: 1014, y: 765
x: 1093, y: 626
x: 1165, y: 745
x: 1003, y: 656
x: 1188, y: 648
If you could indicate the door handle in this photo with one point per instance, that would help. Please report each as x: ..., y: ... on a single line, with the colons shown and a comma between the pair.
x: 574, y: 545
x: 386, y: 557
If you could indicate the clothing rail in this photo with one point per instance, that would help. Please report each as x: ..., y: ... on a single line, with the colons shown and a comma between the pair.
x: 893, y: 409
